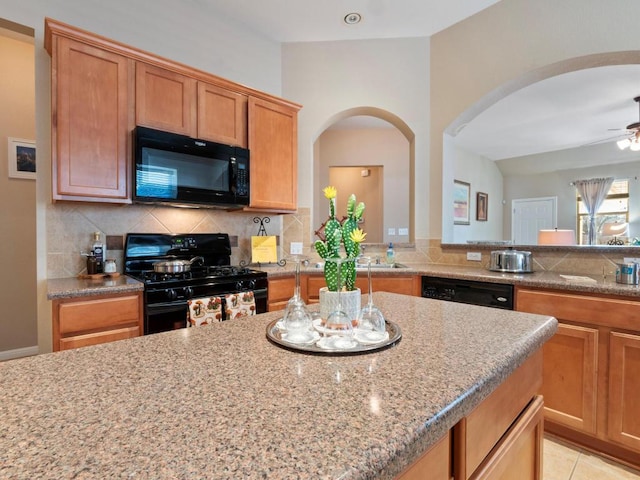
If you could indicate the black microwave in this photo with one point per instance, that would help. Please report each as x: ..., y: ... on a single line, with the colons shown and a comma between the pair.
x: 179, y: 170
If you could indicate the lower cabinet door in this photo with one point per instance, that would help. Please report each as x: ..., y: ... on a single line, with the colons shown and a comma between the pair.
x: 519, y: 453
x: 569, y: 383
x: 624, y: 390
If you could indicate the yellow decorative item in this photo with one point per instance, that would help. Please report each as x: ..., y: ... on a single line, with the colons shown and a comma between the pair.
x: 264, y: 249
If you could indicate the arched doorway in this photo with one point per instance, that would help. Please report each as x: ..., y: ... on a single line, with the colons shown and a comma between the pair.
x: 370, y: 145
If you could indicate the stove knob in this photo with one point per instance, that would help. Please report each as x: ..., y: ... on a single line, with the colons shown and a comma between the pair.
x: 188, y: 292
x: 239, y: 285
x: 171, y: 293
x: 252, y: 284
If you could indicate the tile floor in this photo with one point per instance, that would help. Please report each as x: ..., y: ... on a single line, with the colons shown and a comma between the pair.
x: 565, y: 462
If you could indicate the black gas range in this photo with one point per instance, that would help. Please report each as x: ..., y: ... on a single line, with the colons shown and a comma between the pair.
x: 166, y: 294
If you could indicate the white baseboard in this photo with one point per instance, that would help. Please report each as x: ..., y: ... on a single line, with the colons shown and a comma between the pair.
x: 18, y: 352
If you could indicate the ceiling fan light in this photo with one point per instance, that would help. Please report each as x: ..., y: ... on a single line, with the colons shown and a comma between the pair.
x: 635, y: 146
x: 624, y: 143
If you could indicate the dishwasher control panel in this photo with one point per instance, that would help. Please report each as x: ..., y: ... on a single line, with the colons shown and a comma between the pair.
x: 486, y: 294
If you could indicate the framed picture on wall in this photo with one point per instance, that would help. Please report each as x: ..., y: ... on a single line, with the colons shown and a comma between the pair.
x: 22, y: 158
x: 482, y: 206
x: 461, y: 202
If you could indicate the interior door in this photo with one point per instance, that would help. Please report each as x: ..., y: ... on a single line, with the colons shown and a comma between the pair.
x: 529, y: 215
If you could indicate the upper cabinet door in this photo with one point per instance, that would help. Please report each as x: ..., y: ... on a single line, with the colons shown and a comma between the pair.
x: 273, y: 143
x: 165, y: 100
x: 222, y: 115
x: 91, y: 90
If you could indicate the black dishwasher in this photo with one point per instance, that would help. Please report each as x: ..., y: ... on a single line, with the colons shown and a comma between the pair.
x: 498, y: 295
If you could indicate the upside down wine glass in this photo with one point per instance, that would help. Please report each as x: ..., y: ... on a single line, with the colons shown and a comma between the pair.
x: 297, y: 320
x: 338, y: 329
x: 371, y: 325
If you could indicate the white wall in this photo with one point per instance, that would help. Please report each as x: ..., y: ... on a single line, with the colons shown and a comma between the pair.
x: 189, y: 32
x: 385, y: 147
x: 483, y: 176
x: 330, y: 78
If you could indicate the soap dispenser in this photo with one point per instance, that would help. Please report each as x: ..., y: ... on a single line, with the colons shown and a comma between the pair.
x: 391, y: 256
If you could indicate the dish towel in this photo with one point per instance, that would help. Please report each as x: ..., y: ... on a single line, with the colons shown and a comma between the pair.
x: 242, y: 304
x: 204, y: 311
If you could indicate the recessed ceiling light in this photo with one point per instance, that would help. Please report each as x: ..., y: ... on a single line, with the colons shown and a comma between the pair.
x: 352, y: 18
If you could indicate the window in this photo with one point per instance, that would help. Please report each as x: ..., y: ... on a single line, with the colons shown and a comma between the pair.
x: 614, y: 209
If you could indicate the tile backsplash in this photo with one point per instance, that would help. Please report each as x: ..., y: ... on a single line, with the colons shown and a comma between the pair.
x: 70, y: 228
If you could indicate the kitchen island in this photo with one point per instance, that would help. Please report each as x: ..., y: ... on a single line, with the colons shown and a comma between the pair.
x: 222, y: 401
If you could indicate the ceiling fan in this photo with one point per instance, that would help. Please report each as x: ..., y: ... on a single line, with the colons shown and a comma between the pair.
x: 632, y: 141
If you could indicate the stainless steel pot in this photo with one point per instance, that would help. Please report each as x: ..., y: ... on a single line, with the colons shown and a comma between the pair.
x: 511, y: 261
x: 175, y: 266
x: 628, y: 273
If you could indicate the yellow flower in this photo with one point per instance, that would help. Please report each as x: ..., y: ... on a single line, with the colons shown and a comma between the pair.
x: 330, y: 192
x: 357, y: 235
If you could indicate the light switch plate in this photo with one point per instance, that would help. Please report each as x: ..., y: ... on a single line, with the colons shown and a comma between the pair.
x: 296, y: 248
x: 403, y: 231
x: 474, y: 256
x: 391, y: 231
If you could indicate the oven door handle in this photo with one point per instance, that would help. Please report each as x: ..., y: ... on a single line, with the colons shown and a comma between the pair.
x: 167, y: 307
x: 259, y: 292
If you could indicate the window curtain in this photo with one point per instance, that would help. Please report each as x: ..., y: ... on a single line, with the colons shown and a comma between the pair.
x: 593, y: 193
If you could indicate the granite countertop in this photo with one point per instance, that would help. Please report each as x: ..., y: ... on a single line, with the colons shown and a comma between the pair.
x: 599, y: 284
x: 222, y: 402
x: 82, y: 287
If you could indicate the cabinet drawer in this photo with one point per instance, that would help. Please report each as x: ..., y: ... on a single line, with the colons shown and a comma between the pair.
x: 94, y: 314
x: 435, y: 464
x: 98, y: 337
x: 281, y: 289
x: 479, y: 432
x: 601, y: 311
x: 407, y: 285
x: 519, y: 453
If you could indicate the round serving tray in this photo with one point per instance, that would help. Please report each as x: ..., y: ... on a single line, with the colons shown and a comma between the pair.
x: 274, y: 334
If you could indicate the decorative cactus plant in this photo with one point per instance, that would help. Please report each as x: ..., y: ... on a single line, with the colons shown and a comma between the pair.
x: 337, y: 234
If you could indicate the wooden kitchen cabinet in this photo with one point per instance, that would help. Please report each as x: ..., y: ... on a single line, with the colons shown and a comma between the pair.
x: 273, y: 143
x: 590, y: 380
x: 281, y: 290
x: 624, y: 389
x: 91, y: 90
x: 500, y: 439
x: 434, y: 464
x: 177, y: 103
x: 83, y: 321
x: 102, y: 89
x: 404, y: 284
x: 165, y: 100
x: 222, y: 115
x: 570, y: 377
x: 519, y: 453
x: 503, y: 432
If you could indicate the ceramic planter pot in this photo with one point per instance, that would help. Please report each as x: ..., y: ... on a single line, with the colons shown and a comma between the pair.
x: 351, y: 302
